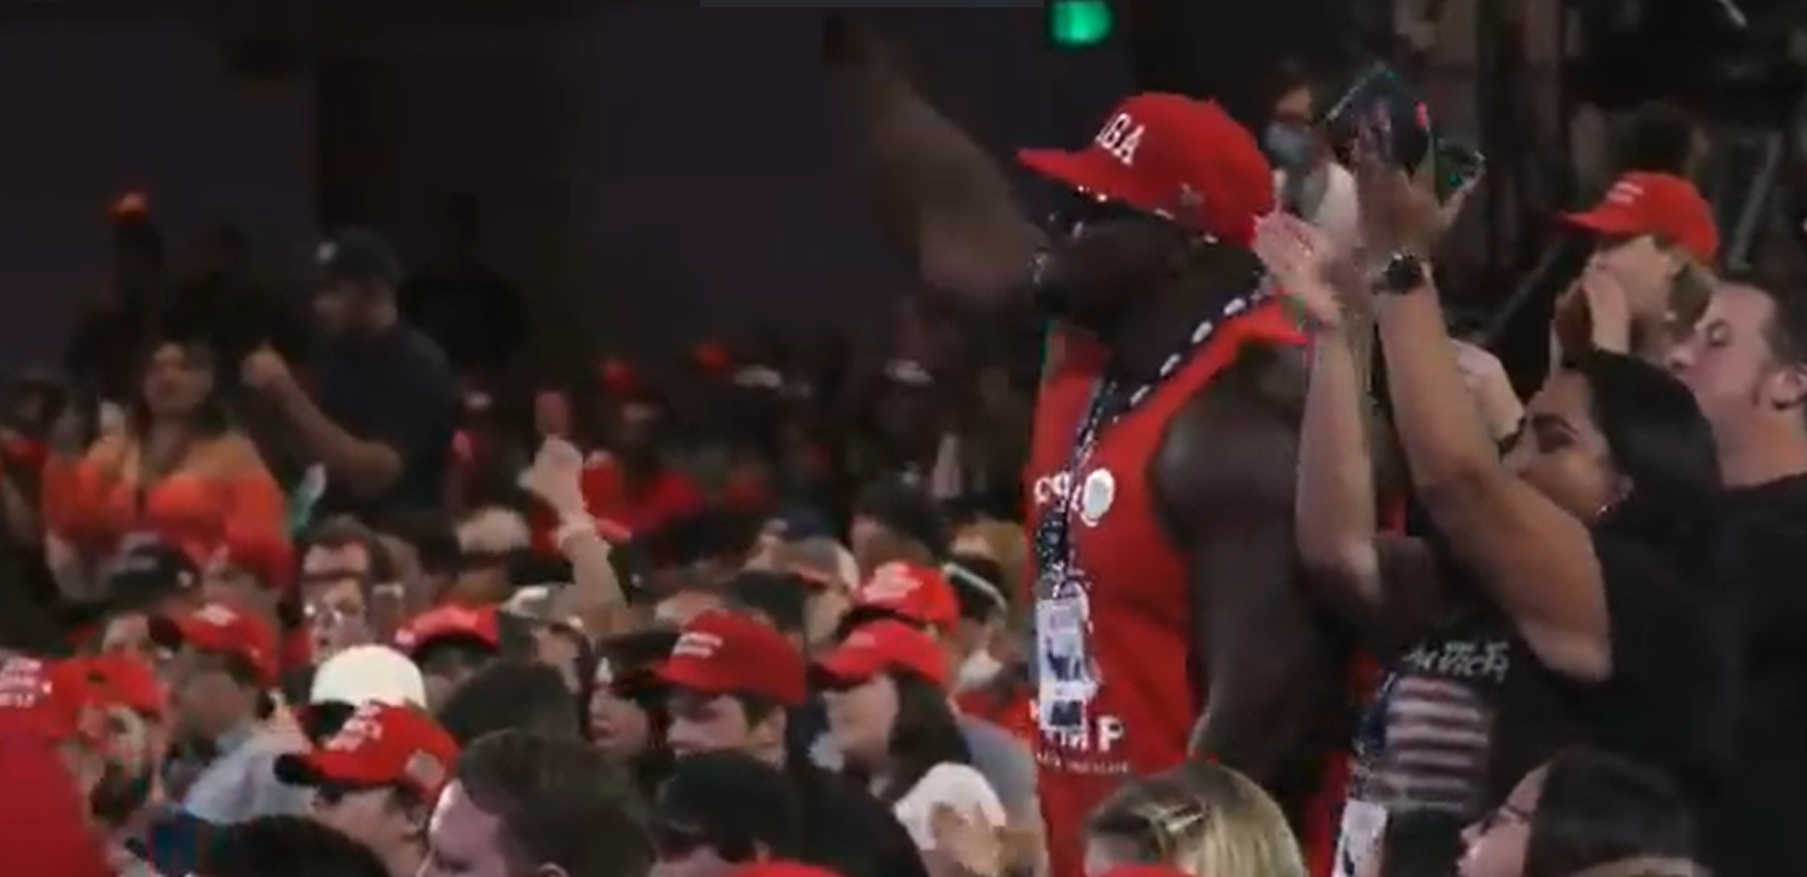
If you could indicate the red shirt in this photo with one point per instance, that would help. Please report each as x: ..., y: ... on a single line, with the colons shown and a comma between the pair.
x: 1014, y: 712
x: 1115, y: 698
x: 644, y: 508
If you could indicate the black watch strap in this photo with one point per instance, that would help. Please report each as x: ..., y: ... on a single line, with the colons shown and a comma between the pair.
x: 1403, y: 272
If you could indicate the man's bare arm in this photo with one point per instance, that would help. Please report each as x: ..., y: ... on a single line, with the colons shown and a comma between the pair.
x: 1230, y: 462
x: 939, y: 196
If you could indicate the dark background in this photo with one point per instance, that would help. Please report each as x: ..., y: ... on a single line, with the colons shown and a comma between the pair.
x: 649, y: 176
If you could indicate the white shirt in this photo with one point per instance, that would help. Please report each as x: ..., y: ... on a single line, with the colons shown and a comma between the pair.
x: 1338, y: 214
x: 956, y: 785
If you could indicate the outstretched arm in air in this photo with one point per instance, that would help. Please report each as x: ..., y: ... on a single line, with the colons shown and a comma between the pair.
x: 939, y: 196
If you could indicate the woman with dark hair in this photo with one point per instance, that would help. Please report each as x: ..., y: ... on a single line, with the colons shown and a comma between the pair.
x: 178, y: 470
x: 1558, y: 597
x: 889, y: 714
x: 1584, y: 808
x: 1416, y: 843
x: 626, y: 704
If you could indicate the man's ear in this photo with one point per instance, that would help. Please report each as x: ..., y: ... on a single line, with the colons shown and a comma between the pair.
x: 1788, y: 388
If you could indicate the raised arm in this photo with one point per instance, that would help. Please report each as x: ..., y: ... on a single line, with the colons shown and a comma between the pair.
x: 595, y: 592
x: 1536, y: 561
x: 1383, y: 583
x: 942, y: 200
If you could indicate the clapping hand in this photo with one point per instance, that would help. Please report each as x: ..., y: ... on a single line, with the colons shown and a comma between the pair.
x: 1299, y: 257
x: 967, y: 842
x: 1399, y: 213
x: 555, y: 477
x: 1608, y: 310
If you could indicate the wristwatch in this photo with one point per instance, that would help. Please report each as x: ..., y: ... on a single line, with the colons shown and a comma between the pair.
x: 1403, y: 273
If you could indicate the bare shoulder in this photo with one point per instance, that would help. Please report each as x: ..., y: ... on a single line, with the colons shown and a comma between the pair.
x: 1232, y: 450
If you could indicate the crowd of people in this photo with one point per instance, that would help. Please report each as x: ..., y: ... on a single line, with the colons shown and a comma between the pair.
x: 1265, y: 575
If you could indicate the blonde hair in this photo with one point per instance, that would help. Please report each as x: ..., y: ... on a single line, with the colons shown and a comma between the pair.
x: 1203, y: 819
x: 1005, y: 545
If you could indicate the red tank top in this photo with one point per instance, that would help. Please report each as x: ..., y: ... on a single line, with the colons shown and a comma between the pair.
x: 1114, y: 695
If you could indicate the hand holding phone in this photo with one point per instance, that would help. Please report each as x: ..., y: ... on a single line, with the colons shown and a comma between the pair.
x: 1390, y: 119
x: 1388, y: 111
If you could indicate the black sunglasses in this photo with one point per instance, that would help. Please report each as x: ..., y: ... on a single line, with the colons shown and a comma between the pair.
x: 1080, y: 210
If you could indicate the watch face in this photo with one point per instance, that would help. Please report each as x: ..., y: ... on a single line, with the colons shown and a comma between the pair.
x: 1403, y: 273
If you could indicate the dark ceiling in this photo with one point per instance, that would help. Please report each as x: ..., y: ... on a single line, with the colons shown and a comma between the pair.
x: 307, y: 20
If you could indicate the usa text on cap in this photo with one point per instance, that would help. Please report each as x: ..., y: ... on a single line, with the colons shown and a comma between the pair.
x: 1172, y: 156
x: 1664, y: 205
x: 722, y: 652
x: 380, y: 745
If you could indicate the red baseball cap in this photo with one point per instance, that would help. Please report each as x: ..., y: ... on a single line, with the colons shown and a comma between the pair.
x: 451, y: 621
x: 380, y: 745
x: 1668, y: 206
x: 721, y: 652
x: 216, y: 627
x: 126, y: 680
x: 878, y: 646
x: 784, y: 869
x: 1174, y: 156
x: 47, y: 699
x: 915, y: 593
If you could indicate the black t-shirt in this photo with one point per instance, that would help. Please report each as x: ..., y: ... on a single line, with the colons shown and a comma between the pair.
x: 1672, y: 689
x: 1468, y: 711
x: 396, y: 389
x: 1762, y: 572
x: 850, y: 832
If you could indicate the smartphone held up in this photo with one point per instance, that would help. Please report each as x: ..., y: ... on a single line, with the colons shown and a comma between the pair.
x: 1392, y: 116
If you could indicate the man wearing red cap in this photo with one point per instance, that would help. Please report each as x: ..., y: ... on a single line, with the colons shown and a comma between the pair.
x: 734, y: 681
x: 1161, y: 464
x: 451, y: 643
x: 95, y: 716
x: 377, y: 780
x: 223, y: 682
x: 1645, y: 285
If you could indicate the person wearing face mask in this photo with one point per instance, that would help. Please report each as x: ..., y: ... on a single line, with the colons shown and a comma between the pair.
x: 1308, y: 182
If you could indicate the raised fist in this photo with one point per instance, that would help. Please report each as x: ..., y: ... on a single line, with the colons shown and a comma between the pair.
x: 555, y: 476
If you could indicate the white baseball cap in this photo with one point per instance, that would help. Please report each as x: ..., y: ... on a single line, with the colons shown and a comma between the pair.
x: 369, y: 674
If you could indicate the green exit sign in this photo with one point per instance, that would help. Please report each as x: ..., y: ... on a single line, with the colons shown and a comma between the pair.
x: 1076, y: 24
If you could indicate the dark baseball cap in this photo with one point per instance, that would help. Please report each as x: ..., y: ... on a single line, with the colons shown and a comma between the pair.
x: 357, y: 253
x: 145, y: 570
x: 729, y: 801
